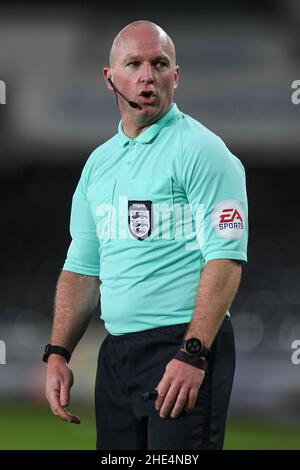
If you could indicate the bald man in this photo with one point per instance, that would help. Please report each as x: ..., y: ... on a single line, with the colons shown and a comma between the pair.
x: 159, y: 221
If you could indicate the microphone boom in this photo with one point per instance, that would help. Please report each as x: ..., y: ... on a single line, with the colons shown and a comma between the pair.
x: 131, y: 103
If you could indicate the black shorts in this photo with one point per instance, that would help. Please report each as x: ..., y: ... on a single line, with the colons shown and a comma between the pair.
x: 134, y: 363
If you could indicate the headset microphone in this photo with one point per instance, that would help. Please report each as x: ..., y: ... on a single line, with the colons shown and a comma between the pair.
x: 131, y: 103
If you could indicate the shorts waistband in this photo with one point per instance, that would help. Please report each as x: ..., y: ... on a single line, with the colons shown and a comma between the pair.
x: 160, y: 329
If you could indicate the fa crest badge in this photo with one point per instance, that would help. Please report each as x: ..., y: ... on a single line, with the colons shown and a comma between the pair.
x: 140, y: 218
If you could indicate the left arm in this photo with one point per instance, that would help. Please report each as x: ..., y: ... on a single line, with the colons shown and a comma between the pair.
x: 217, y: 288
x: 213, y: 177
x: 181, y: 382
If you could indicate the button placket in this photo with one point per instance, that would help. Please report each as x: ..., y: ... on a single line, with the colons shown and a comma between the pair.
x: 131, y: 146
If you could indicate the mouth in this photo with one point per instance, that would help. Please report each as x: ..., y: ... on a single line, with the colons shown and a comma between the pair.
x: 147, y: 96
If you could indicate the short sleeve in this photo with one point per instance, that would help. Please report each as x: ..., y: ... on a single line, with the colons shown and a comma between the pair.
x: 83, y: 253
x: 215, y: 186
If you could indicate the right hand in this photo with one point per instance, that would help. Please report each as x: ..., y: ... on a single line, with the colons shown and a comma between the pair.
x: 58, y: 384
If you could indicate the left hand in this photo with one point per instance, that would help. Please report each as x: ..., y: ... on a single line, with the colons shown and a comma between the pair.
x: 180, y: 386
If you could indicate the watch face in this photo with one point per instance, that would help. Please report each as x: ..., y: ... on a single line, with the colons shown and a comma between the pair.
x: 194, y: 346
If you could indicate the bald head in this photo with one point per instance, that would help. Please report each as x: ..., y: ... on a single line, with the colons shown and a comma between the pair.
x: 142, y: 30
x: 143, y: 69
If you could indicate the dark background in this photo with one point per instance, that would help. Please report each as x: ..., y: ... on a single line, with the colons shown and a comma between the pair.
x: 238, y: 61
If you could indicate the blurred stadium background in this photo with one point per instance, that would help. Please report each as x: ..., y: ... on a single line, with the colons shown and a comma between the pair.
x: 238, y: 61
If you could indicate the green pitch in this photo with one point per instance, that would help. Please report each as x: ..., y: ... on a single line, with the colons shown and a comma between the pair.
x: 34, y: 427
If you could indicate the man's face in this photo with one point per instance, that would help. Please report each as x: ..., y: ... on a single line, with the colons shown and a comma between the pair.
x: 144, y: 71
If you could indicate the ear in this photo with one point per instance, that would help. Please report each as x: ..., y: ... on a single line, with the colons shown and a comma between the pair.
x: 107, y: 75
x: 176, y: 78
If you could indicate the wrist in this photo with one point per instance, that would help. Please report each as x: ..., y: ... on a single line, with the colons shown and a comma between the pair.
x: 56, y: 358
x: 195, y: 361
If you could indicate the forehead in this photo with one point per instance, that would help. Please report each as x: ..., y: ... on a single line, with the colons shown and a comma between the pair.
x: 143, y: 44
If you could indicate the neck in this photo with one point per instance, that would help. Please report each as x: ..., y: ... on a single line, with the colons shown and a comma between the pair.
x: 133, y: 131
x: 134, y: 127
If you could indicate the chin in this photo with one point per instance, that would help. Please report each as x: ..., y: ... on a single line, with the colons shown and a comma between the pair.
x: 149, y: 110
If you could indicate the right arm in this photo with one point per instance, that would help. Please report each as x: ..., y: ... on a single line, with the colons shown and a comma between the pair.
x: 77, y: 295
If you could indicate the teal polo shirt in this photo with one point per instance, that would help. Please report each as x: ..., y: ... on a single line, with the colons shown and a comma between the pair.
x: 149, y: 213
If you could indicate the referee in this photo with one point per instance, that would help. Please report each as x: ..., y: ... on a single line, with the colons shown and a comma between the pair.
x: 159, y: 223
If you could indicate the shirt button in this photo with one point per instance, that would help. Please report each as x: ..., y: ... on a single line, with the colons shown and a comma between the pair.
x: 129, y: 163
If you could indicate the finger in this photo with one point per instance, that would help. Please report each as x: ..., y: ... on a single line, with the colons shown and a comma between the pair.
x: 55, y: 405
x: 180, y: 402
x: 64, y: 394
x: 169, y: 401
x: 65, y: 415
x: 58, y: 410
x: 74, y: 419
x: 191, y: 400
x: 162, y: 390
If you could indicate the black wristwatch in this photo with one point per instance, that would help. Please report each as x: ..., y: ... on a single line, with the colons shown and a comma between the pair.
x: 194, y: 347
x: 51, y: 349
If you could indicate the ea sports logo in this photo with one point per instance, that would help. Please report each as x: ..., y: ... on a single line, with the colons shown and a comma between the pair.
x: 230, y: 215
x: 228, y: 219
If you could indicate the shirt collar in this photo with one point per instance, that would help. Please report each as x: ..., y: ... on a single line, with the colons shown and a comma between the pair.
x: 152, y: 131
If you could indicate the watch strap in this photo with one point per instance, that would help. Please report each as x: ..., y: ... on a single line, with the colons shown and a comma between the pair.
x: 53, y: 349
x: 192, y: 360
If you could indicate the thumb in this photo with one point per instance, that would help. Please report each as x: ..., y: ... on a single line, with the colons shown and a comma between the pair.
x: 64, y: 395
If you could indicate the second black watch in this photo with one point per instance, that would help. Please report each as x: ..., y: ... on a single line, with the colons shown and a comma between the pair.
x: 51, y: 349
x: 195, y: 347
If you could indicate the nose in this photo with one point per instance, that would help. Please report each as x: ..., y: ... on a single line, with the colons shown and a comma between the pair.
x: 146, y: 73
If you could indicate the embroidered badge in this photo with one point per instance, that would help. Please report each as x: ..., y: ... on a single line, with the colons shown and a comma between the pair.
x: 140, y: 218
